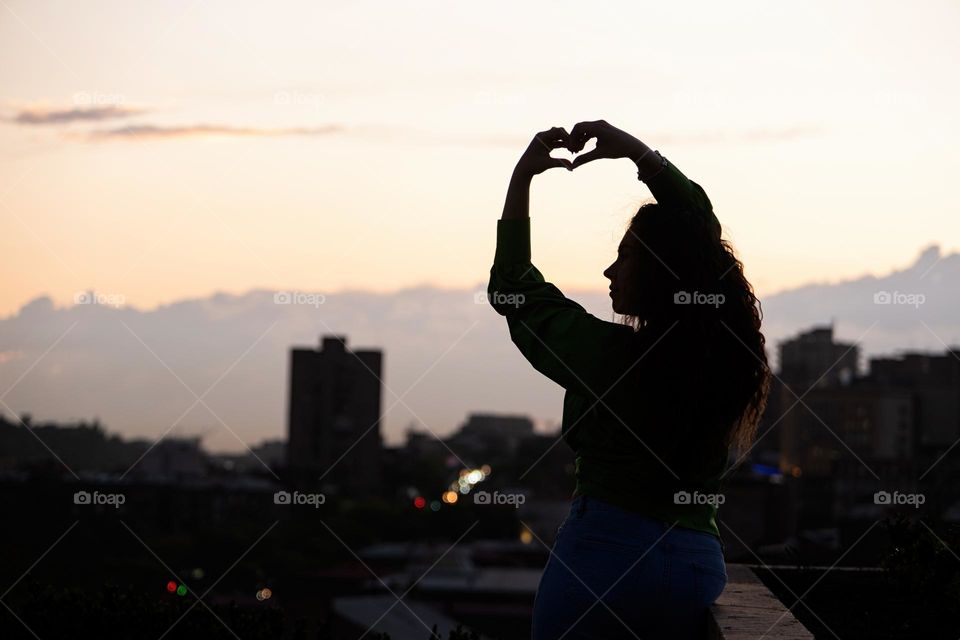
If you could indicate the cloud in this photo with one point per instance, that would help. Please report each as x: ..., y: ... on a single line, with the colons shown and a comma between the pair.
x: 152, y: 132
x: 43, y: 115
x: 381, y: 132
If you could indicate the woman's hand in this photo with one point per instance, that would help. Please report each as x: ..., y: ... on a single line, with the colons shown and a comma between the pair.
x: 611, y: 143
x: 536, y: 159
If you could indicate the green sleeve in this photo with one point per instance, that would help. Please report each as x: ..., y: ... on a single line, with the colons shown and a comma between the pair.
x: 671, y: 188
x: 572, y: 347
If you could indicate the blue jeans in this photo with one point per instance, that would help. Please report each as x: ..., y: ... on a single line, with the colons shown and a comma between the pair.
x: 614, y: 573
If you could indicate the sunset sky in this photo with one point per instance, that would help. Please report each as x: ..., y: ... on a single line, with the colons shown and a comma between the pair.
x: 169, y: 150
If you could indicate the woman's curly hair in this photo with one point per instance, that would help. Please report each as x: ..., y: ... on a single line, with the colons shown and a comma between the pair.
x: 688, y: 281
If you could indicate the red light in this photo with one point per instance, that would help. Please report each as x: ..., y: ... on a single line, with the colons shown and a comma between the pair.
x: 420, y: 502
x: 171, y: 586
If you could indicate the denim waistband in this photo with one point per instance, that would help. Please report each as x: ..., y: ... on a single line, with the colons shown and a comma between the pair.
x: 583, y: 503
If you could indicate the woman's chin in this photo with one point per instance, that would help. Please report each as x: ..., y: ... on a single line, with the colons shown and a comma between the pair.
x: 619, y: 307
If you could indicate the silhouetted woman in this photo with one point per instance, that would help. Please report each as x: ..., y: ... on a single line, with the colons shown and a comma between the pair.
x: 653, y: 405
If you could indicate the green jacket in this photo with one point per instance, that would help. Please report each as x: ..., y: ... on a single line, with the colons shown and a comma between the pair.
x: 618, y: 459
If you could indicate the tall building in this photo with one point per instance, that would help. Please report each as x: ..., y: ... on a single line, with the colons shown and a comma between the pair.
x: 809, y: 362
x: 856, y: 434
x: 814, y: 359
x: 848, y: 422
x: 487, y: 434
x: 817, y: 369
x: 934, y: 380
x: 334, y: 417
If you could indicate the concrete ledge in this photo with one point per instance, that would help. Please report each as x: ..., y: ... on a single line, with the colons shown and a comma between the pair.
x: 747, y: 609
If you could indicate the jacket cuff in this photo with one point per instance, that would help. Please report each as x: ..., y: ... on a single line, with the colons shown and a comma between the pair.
x: 513, y: 241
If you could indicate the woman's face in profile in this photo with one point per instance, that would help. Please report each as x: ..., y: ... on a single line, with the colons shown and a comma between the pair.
x: 620, y: 274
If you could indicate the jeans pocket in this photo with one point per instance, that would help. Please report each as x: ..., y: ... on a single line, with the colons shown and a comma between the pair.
x: 612, y: 585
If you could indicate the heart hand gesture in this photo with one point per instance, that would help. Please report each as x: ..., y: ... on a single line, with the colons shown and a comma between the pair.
x: 611, y: 143
x: 537, y: 159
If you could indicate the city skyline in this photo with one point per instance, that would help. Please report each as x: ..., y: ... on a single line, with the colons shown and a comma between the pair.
x: 442, y: 345
x: 829, y: 363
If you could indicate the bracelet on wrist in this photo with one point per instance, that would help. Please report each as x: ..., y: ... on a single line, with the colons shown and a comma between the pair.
x: 663, y: 163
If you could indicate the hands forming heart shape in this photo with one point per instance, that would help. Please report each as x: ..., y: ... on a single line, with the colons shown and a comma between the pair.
x: 611, y: 143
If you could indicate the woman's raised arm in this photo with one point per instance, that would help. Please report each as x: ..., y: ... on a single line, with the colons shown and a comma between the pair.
x: 669, y: 186
x: 536, y: 159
